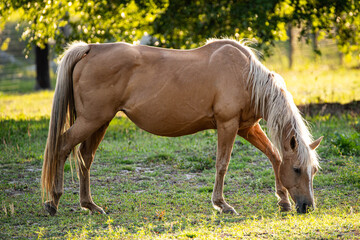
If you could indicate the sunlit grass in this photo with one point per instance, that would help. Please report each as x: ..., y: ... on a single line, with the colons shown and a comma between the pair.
x: 323, y: 85
x: 335, y: 225
x: 28, y: 106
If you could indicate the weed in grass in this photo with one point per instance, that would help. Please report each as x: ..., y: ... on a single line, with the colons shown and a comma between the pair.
x: 4, y: 209
x: 356, y: 125
x: 160, y: 158
x: 127, y: 168
x: 123, y: 161
x: 206, y: 189
x: 197, y: 164
x: 348, y: 144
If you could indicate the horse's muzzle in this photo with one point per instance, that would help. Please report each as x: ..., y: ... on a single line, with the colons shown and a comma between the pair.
x: 304, y: 207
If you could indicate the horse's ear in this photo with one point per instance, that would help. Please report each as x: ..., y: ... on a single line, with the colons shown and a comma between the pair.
x: 316, y: 143
x: 293, y: 143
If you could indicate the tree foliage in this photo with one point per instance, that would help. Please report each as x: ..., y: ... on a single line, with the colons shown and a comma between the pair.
x: 62, y: 21
x: 334, y: 19
x: 184, y: 23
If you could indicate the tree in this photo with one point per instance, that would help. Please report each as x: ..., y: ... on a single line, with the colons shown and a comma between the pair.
x: 291, y: 35
x: 61, y: 21
x: 42, y: 67
x: 334, y: 19
x: 186, y: 23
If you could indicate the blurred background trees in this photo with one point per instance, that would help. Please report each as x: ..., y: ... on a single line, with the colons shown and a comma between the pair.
x: 180, y: 23
x: 58, y: 22
x: 186, y: 23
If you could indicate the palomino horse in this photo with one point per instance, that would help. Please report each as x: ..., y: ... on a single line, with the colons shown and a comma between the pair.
x: 174, y: 93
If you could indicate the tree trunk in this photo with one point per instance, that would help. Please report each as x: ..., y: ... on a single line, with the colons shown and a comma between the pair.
x: 315, y: 45
x: 292, y: 39
x: 341, y: 58
x: 42, y: 68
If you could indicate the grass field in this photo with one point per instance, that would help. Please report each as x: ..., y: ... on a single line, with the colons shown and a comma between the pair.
x: 160, y: 188
x: 154, y: 187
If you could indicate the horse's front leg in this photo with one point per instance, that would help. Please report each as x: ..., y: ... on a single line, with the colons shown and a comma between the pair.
x: 256, y: 136
x: 226, y: 137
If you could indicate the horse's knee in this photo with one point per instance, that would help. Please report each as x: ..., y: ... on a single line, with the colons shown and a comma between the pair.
x: 64, y: 154
x: 221, y: 170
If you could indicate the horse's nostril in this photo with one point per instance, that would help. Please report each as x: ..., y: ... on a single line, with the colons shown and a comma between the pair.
x: 302, y: 208
x: 305, y: 208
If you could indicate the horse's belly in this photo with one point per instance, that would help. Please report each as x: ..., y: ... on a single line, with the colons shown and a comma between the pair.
x: 169, y: 123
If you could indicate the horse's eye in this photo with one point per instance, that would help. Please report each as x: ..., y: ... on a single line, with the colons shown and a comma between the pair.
x: 297, y: 170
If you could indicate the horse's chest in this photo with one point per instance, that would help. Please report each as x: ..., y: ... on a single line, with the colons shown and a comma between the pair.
x: 248, y: 119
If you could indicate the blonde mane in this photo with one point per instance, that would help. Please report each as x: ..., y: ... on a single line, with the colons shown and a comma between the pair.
x: 273, y: 102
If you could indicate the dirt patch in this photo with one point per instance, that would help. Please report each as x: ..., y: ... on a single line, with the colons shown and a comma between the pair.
x: 336, y: 109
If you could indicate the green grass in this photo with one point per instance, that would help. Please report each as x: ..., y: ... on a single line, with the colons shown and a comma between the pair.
x: 160, y: 188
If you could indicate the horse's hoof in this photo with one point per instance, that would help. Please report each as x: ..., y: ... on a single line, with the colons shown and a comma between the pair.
x: 50, y: 208
x: 97, y: 211
x: 230, y: 211
x: 93, y: 208
x: 285, y: 207
x: 223, y: 207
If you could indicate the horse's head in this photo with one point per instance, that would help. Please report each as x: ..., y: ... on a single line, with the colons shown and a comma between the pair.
x: 297, y: 174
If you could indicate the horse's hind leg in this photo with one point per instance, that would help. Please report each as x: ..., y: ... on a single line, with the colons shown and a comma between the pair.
x: 87, y: 150
x: 52, y: 205
x: 226, y: 137
x: 77, y: 133
x: 256, y: 136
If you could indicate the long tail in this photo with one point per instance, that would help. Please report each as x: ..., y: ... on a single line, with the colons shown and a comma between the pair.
x: 63, y: 114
